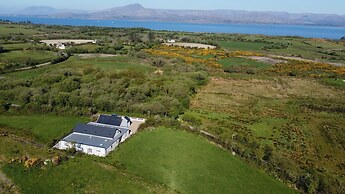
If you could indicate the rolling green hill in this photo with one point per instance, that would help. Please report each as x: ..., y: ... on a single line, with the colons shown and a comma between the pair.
x: 157, y: 161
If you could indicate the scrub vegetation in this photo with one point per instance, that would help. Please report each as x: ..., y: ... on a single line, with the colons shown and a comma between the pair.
x: 256, y: 114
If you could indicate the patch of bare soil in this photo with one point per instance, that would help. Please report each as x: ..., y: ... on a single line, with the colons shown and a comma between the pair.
x: 268, y: 60
x: 191, y: 45
x: 94, y: 55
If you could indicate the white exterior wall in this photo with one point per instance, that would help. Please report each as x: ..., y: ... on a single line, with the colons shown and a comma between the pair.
x: 62, y: 47
x: 124, y: 122
x: 111, y: 148
x: 125, y: 136
x: 91, y: 150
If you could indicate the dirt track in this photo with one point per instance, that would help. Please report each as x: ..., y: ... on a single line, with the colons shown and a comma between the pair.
x: 94, y: 55
x: 6, y: 185
x: 274, y: 59
x: 75, y: 41
x: 192, y: 45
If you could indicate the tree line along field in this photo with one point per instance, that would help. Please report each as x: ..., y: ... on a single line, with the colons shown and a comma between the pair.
x: 283, y: 116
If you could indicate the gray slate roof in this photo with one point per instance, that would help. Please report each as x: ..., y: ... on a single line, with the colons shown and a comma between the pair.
x: 122, y: 130
x: 110, y: 120
x: 95, y: 130
x: 90, y: 140
x: 95, y: 135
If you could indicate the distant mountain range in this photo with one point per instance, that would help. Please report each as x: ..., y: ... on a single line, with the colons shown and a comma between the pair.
x: 138, y: 12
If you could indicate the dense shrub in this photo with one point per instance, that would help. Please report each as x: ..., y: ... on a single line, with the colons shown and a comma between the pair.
x: 59, y: 59
x: 80, y: 92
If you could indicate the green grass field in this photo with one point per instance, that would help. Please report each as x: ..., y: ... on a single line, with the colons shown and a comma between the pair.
x: 21, y: 46
x: 79, y: 175
x: 158, y: 161
x: 338, y: 83
x: 279, y: 120
x: 190, y: 164
x: 116, y: 64
x: 119, y: 63
x: 243, y: 62
x: 17, y: 29
x: 20, y: 57
x: 323, y: 50
x: 44, y: 127
x: 242, y: 46
x: 296, y: 117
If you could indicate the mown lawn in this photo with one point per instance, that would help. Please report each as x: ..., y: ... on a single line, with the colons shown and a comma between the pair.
x: 44, y: 127
x: 190, y: 164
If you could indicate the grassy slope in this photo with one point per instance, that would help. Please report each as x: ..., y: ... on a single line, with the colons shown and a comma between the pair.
x: 115, y: 64
x: 190, y: 164
x: 79, y: 175
x: 307, y: 48
x: 271, y: 112
x: 242, y: 46
x: 44, y: 127
x: 182, y: 161
x: 21, y: 46
x: 243, y: 62
x: 21, y: 57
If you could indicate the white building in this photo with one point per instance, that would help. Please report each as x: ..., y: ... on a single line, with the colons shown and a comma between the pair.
x: 98, y: 138
x: 61, y: 46
x: 171, y: 41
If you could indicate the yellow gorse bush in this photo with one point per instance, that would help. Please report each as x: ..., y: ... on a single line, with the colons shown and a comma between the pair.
x: 313, y: 69
x: 193, y: 55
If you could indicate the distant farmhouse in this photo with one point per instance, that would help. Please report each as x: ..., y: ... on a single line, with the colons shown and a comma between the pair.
x: 171, y: 41
x: 63, y: 43
x: 61, y: 46
x: 101, y: 137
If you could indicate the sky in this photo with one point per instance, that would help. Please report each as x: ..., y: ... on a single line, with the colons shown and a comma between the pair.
x: 292, y: 6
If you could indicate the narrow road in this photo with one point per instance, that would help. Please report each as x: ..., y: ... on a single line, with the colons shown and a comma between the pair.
x: 306, y: 60
x: 274, y: 59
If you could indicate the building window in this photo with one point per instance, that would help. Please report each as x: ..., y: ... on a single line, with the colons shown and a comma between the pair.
x: 89, y: 150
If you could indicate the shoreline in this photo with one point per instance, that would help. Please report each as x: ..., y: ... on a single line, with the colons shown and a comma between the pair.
x: 305, y: 31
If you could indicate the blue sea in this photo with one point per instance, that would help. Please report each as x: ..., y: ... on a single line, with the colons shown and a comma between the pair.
x: 265, y: 29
